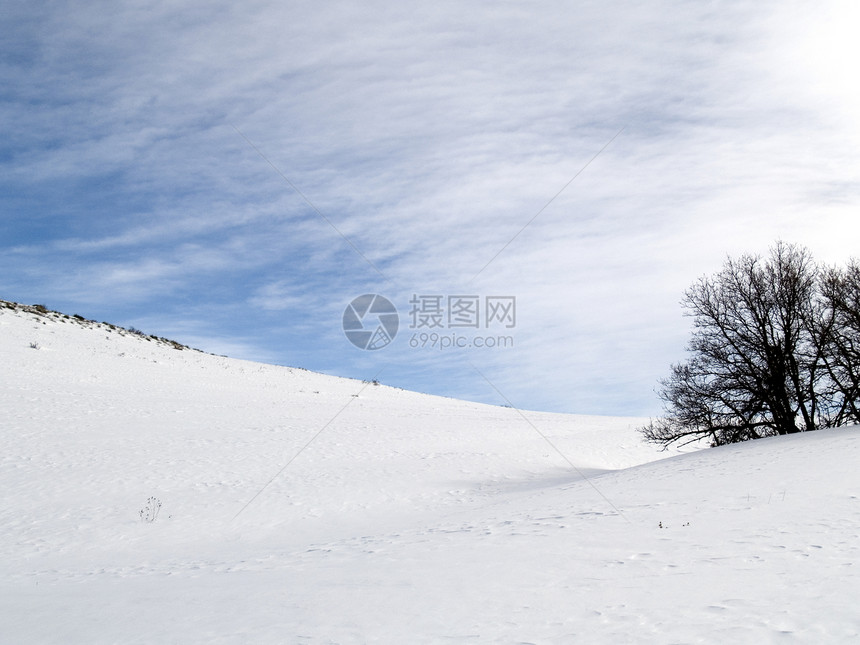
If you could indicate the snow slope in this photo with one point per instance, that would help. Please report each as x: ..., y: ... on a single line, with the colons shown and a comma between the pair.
x: 302, y: 508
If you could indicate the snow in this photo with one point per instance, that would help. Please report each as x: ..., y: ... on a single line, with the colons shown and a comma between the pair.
x: 303, y: 508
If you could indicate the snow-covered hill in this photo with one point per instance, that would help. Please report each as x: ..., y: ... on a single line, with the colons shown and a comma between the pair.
x: 302, y: 508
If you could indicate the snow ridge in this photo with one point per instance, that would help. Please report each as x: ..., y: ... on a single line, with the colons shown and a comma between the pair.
x: 408, y: 518
x: 40, y: 311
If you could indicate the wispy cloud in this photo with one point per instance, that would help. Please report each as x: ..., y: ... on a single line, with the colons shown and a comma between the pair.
x: 428, y: 135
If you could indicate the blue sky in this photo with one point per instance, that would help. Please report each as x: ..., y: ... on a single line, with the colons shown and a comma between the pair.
x: 151, y: 153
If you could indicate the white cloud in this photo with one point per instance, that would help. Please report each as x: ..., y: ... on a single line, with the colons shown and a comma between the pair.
x: 429, y: 135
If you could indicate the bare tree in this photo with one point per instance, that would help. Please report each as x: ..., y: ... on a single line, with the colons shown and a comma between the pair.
x: 837, y: 332
x: 754, y: 366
